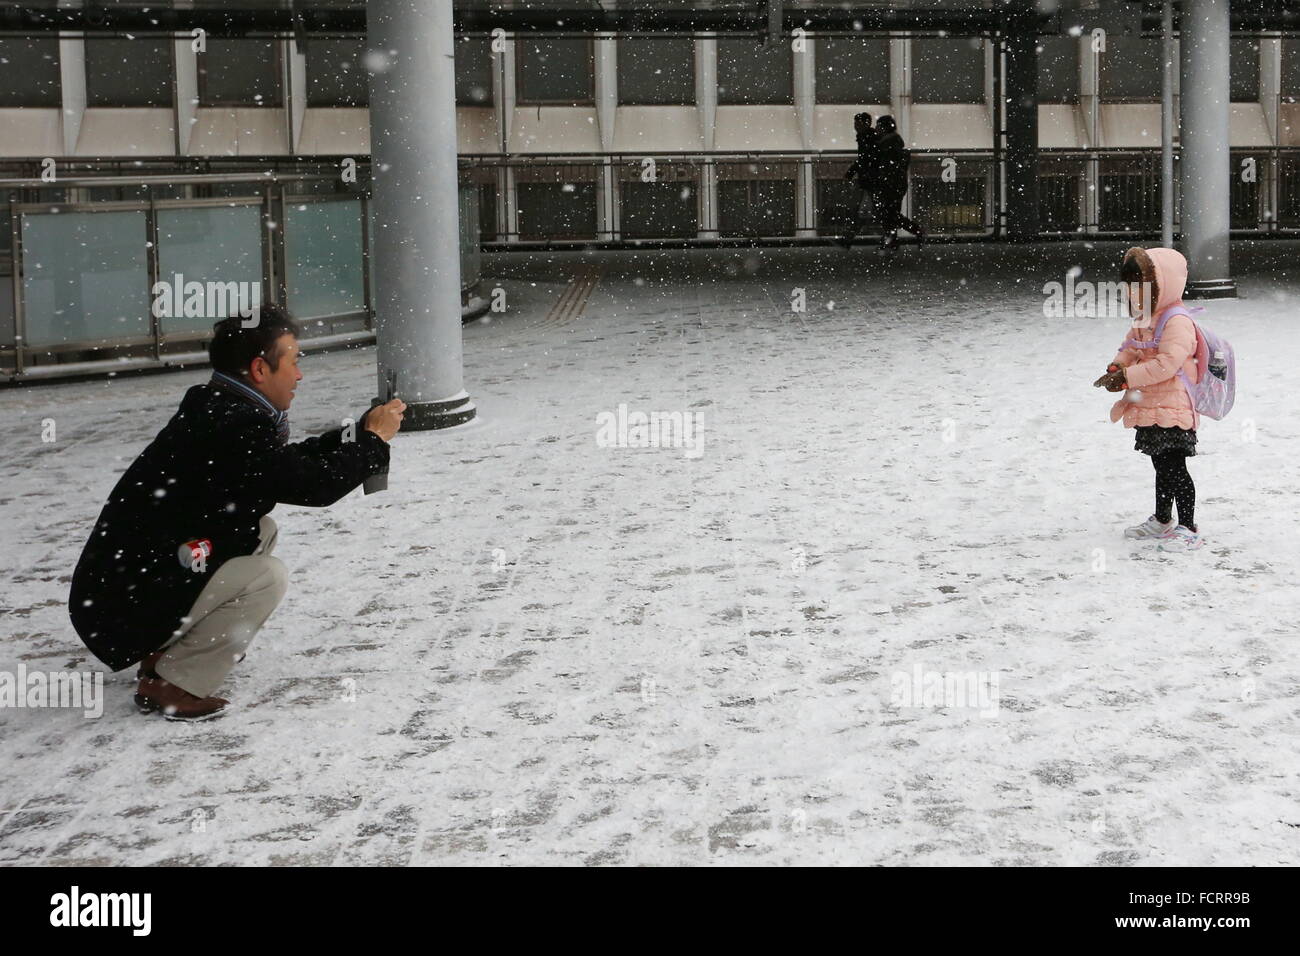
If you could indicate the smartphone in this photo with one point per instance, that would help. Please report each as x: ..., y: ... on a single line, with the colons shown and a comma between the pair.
x: 379, y: 482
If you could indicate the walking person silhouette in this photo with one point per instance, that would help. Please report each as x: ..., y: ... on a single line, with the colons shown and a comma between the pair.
x: 892, y: 158
x: 863, y: 172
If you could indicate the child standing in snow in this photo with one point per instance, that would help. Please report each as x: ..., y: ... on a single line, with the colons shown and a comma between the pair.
x: 1155, y: 403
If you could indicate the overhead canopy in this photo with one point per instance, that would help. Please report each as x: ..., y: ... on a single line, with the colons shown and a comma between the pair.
x: 306, y: 17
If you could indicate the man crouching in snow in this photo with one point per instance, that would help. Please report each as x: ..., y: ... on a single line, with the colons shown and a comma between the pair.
x: 177, y: 573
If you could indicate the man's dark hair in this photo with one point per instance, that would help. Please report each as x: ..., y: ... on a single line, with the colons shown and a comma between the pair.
x: 234, y: 347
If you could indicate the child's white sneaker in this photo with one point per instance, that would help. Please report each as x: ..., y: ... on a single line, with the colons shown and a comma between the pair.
x: 1151, y: 528
x: 1181, y: 539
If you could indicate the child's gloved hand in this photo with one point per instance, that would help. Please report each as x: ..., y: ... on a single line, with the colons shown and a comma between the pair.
x: 1113, y: 380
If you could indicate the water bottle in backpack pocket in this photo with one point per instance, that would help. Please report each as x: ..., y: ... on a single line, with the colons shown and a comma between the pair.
x: 1215, y: 388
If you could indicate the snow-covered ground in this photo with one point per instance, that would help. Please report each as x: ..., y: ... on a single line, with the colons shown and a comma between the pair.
x: 535, y: 649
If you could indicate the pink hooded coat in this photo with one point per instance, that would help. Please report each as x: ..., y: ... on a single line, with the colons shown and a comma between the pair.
x: 1155, y: 395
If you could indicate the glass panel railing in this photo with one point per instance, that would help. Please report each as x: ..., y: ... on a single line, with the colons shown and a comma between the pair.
x: 85, y: 277
x: 215, y: 251
x: 324, y: 265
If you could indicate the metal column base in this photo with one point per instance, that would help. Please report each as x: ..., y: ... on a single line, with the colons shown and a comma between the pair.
x: 425, y: 416
x: 1211, y: 289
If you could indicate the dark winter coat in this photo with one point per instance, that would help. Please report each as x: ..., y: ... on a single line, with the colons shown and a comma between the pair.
x: 215, y: 469
x: 863, y: 170
x: 892, y: 159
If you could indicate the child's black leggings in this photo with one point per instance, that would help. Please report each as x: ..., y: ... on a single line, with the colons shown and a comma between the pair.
x: 1174, y: 483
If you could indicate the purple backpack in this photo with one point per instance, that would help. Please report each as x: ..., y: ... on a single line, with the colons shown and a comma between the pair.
x: 1215, y: 388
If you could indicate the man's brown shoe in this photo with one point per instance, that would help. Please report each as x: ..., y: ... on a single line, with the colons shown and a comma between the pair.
x: 154, y: 693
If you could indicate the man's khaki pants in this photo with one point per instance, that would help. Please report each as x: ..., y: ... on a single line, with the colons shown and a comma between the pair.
x: 228, y: 612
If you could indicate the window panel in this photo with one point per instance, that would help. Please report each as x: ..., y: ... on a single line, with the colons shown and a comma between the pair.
x: 1291, y: 69
x: 474, y: 63
x: 749, y: 73
x: 1058, y: 69
x: 658, y: 210
x: 948, y: 70
x: 29, y: 72
x: 756, y: 207
x: 557, y: 210
x: 336, y: 72
x: 122, y: 72
x: 1130, y: 68
x: 240, y: 73
x: 556, y: 70
x: 1243, y: 68
x: 656, y: 71
x: 852, y: 70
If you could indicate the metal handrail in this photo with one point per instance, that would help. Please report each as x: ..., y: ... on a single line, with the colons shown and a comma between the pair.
x: 187, y: 179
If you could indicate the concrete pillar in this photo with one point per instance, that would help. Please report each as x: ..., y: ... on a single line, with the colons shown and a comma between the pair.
x: 72, y: 67
x: 1167, y: 53
x: 900, y: 85
x: 805, y: 105
x: 503, y: 99
x: 1270, y: 97
x: 187, y: 92
x: 1020, y: 104
x: 1090, y: 106
x: 607, y: 197
x: 295, y: 90
x: 706, y: 105
x: 416, y: 241
x: 1205, y: 161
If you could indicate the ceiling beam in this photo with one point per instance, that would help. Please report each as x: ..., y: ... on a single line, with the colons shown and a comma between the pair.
x: 758, y: 20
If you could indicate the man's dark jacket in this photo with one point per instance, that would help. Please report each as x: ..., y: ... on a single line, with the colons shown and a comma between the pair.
x: 215, y: 469
x: 863, y: 170
x: 891, y: 158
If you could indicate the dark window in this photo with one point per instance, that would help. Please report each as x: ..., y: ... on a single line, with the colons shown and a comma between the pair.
x: 756, y: 207
x: 336, y: 72
x: 474, y: 63
x: 1058, y: 203
x: 1289, y: 192
x: 1058, y: 69
x: 557, y: 210
x: 554, y: 70
x: 950, y: 207
x: 749, y: 73
x: 658, y: 210
x: 656, y: 71
x: 1243, y: 70
x: 948, y: 70
x: 1130, y: 68
x: 29, y: 71
x: 852, y: 70
x: 237, y: 72
x: 1243, y: 200
x: 121, y: 72
x: 1291, y: 69
x: 1130, y: 199
x: 487, y: 212
x: 837, y: 202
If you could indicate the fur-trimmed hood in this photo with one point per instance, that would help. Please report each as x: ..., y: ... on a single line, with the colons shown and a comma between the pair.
x: 1166, y: 271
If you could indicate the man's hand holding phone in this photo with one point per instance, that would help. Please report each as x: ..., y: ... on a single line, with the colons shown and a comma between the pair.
x: 385, y: 420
